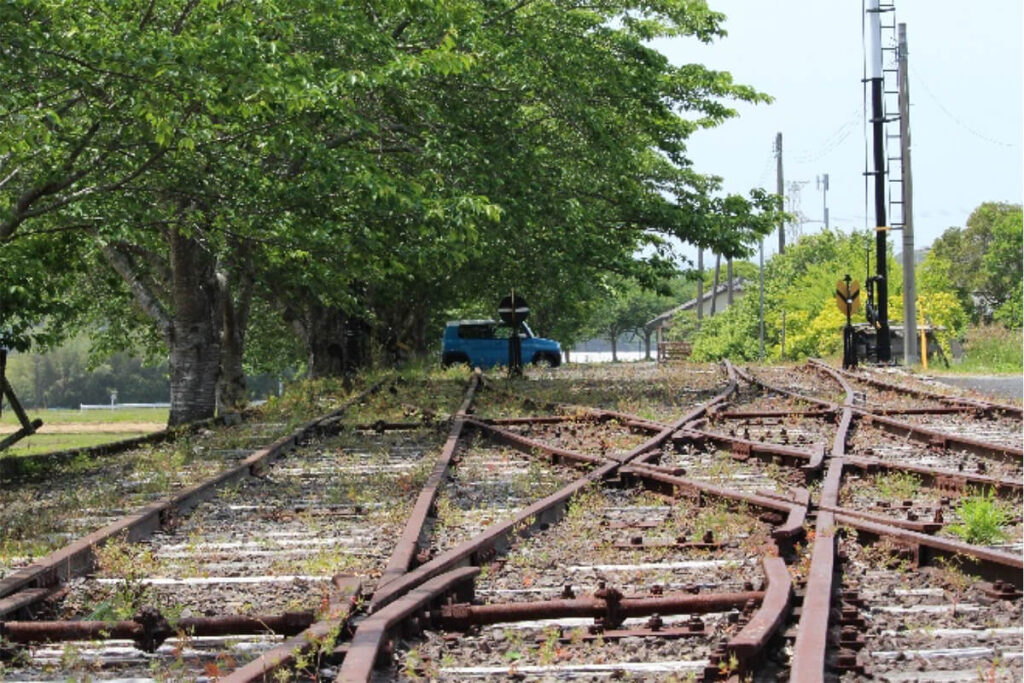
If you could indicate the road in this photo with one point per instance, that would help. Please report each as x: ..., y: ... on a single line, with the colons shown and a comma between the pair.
x: 994, y: 385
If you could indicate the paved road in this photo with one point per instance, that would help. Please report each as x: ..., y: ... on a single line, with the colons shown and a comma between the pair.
x: 1001, y: 386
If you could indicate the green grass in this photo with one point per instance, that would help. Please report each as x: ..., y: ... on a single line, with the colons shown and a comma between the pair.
x: 89, y: 416
x: 990, y: 349
x: 46, y: 443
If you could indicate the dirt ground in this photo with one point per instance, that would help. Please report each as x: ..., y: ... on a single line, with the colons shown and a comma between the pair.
x: 90, y: 427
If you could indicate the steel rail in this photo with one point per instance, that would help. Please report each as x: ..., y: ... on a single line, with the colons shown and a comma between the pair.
x: 941, y: 478
x: 1009, y: 409
x: 402, y: 556
x: 811, y: 459
x: 405, y: 550
x: 495, y: 539
x: 659, y: 480
x: 78, y: 557
x: 930, y: 436
x: 906, y: 429
x: 749, y: 643
x: 607, y: 604
x: 809, y: 651
x: 364, y: 650
x: 992, y: 564
x: 530, y: 446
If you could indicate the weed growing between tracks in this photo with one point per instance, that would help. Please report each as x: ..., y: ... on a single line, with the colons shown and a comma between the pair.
x: 982, y: 519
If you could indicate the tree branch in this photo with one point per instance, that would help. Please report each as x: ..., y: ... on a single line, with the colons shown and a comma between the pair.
x: 142, y: 291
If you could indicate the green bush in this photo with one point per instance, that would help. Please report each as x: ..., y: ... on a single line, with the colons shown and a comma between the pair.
x: 992, y: 348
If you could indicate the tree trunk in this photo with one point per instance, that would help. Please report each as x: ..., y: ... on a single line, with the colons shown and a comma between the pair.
x: 337, y: 344
x: 195, y: 334
x: 231, y: 389
x: 728, y: 275
x: 615, y: 350
x: 700, y: 286
x: 647, y: 342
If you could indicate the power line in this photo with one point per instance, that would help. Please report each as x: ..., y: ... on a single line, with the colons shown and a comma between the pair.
x: 953, y: 117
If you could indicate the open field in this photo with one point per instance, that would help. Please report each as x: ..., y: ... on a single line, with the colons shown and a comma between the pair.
x: 67, y: 429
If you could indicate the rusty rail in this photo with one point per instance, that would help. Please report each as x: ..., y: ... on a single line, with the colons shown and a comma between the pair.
x: 530, y: 446
x: 607, y: 604
x: 78, y: 557
x: 748, y: 644
x: 1008, y: 409
x: 404, y: 554
x: 659, y: 480
x: 149, y: 629
x: 365, y: 648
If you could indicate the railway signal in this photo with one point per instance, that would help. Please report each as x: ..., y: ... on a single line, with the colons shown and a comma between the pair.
x: 848, y: 301
x: 513, y: 311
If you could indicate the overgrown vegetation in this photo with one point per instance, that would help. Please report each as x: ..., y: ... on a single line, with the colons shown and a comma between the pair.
x: 991, y: 349
x: 982, y: 519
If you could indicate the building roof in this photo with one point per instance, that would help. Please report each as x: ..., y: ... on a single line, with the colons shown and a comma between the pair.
x: 723, y: 287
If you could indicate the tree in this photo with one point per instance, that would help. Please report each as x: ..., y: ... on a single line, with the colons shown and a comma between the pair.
x: 980, y: 263
x: 627, y: 307
x: 801, y: 284
x: 337, y: 163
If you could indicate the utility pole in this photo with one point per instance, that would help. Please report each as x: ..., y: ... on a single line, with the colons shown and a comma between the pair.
x: 823, y: 186
x: 760, y: 315
x: 910, y: 352
x: 780, y: 189
x: 883, y: 343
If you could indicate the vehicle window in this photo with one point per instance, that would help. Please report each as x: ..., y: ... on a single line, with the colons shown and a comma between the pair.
x: 477, y: 331
x: 504, y: 332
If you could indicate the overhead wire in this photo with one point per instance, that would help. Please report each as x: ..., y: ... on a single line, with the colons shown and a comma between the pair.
x: 918, y: 81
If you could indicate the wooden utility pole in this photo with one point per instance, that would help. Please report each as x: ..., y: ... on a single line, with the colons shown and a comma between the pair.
x: 780, y: 189
x: 910, y: 353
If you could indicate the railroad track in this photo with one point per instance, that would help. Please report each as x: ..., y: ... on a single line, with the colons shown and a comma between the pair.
x: 700, y: 524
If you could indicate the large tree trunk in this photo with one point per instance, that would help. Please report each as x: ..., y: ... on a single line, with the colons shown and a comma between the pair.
x: 231, y: 389
x: 189, y: 321
x: 700, y: 286
x: 612, y: 334
x: 195, y: 334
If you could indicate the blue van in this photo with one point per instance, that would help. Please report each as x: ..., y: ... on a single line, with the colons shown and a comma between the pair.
x: 484, y: 344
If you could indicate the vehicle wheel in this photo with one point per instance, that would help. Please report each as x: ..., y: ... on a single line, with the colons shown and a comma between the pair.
x: 547, y: 360
x: 454, y: 358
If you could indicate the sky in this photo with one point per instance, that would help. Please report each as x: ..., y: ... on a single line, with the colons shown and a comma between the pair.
x: 965, y: 79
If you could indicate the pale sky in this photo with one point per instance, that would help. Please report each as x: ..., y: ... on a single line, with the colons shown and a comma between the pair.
x: 965, y: 81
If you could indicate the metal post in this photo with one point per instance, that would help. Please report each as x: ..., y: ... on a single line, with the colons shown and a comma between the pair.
x: 780, y: 189
x: 883, y: 346
x: 824, y: 198
x: 910, y: 354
